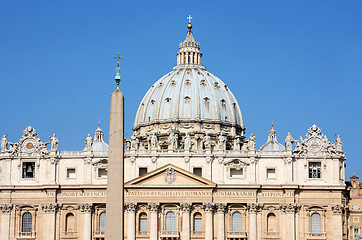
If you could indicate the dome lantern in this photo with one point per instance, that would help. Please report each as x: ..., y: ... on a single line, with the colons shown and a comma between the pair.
x: 189, y: 50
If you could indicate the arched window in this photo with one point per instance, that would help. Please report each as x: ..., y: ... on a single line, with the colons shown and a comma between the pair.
x: 102, y: 221
x: 170, y: 221
x: 142, y: 222
x: 272, y: 223
x: 69, y: 222
x: 236, y: 222
x: 26, y: 223
x: 315, y: 220
x: 197, y: 222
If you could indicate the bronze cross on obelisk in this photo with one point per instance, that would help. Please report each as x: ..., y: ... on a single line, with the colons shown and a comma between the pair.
x: 118, y: 77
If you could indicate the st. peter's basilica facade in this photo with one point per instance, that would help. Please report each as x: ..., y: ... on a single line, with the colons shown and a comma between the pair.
x: 190, y: 173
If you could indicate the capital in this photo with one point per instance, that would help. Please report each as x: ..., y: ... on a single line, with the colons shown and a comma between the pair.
x: 254, y: 207
x: 289, y: 207
x: 337, y: 208
x: 49, y: 207
x: 131, y: 207
x: 209, y: 207
x: 220, y: 207
x: 6, y: 208
x: 85, y: 207
x: 186, y: 207
x: 153, y: 206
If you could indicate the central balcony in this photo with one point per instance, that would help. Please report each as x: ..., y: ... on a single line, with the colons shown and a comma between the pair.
x: 170, y: 235
x: 237, y: 235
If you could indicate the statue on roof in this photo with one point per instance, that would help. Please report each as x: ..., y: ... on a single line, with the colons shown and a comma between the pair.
x: 4, y: 144
x: 222, y: 142
x: 187, y: 142
x: 153, y: 139
x: 53, y: 143
x: 339, y: 144
x: 289, y: 140
x: 88, y: 143
x: 251, y: 142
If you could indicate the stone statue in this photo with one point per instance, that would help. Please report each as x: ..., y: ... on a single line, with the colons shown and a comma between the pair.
x: 289, y: 140
x: 154, y: 140
x: 172, y: 141
x: 53, y: 142
x: 251, y: 143
x: 4, y: 144
x: 187, y: 142
x: 134, y: 142
x: 221, y: 142
x: 237, y: 143
x: 88, y: 142
x: 207, y: 142
x: 339, y: 144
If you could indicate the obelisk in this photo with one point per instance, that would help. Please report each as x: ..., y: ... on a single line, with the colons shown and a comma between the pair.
x: 115, y: 179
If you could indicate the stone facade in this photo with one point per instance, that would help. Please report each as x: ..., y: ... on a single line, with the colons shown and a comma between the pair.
x: 355, y: 211
x: 186, y: 177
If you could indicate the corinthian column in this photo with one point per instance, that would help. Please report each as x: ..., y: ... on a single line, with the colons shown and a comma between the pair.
x: 253, y: 209
x: 186, y: 221
x: 5, y: 210
x: 153, y: 221
x: 131, y: 222
x: 209, y: 228
x: 49, y: 210
x: 86, y: 211
x: 221, y: 221
x: 337, y: 221
x: 289, y: 209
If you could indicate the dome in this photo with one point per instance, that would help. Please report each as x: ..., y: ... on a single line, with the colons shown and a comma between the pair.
x: 189, y: 93
x: 98, y: 143
x: 272, y: 144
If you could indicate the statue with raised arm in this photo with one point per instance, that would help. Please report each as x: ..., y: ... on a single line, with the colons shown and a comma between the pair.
x: 251, y: 143
x: 53, y: 142
x: 4, y: 144
x: 339, y: 144
x: 88, y: 142
x: 289, y: 140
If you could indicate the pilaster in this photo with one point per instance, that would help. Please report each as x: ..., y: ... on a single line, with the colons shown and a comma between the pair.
x: 5, y: 210
x: 209, y: 229
x: 186, y: 230
x: 131, y: 221
x: 221, y: 207
x: 86, y: 211
x: 49, y: 210
x: 153, y: 220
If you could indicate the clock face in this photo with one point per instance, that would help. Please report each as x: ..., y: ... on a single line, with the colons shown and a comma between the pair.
x: 29, y: 145
x: 314, y: 144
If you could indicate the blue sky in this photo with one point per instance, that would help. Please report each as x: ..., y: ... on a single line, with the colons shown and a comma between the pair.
x: 292, y: 62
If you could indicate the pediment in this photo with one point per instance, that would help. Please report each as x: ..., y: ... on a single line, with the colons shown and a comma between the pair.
x: 170, y: 176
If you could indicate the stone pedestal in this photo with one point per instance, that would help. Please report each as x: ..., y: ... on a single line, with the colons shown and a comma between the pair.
x: 5, y: 211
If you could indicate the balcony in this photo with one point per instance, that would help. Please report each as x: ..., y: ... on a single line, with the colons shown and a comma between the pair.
x: 312, y: 236
x: 69, y: 235
x: 198, y: 234
x: 142, y: 234
x: 26, y: 235
x: 271, y: 235
x: 170, y: 235
x: 236, y: 235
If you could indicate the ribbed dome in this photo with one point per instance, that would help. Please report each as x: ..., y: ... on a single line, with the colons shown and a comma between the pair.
x: 189, y: 94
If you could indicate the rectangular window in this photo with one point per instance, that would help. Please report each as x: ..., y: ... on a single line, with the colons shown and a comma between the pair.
x: 142, y: 171
x: 102, y: 173
x: 198, y: 224
x: 234, y: 172
x: 28, y: 170
x: 314, y: 170
x: 197, y: 171
x: 355, y: 219
x: 270, y: 173
x: 143, y: 224
x: 71, y: 173
x: 355, y: 206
